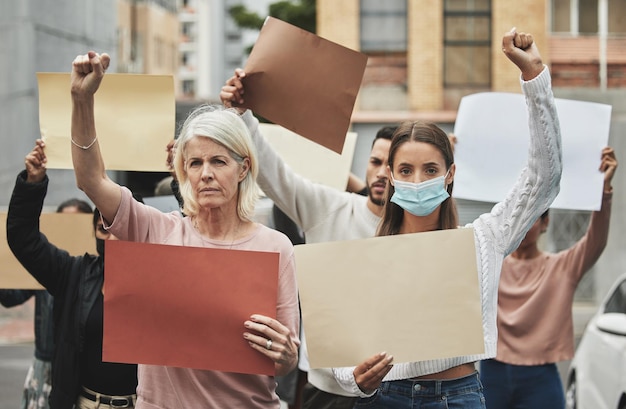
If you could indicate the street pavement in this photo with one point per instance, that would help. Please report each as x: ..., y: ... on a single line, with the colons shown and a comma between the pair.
x: 15, y: 360
x: 16, y: 352
x: 16, y: 348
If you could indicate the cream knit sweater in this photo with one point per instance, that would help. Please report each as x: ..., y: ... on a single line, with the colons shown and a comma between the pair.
x: 499, y: 232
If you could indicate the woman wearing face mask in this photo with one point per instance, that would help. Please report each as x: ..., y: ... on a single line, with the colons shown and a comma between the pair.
x: 79, y: 377
x: 421, y: 171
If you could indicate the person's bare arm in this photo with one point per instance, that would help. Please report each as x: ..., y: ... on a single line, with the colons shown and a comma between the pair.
x: 87, y: 73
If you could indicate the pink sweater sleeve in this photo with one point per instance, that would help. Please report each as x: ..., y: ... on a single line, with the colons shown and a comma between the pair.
x: 135, y: 221
x: 584, y: 254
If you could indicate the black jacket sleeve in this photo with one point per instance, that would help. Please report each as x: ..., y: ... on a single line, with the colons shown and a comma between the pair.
x: 11, y: 298
x: 43, y: 260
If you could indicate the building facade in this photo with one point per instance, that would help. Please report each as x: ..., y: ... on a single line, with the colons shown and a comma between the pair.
x: 141, y: 36
x: 42, y: 37
x: 147, y: 36
x: 211, y: 46
x: 425, y: 55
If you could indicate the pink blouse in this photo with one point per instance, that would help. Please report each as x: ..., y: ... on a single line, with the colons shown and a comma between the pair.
x: 167, y: 387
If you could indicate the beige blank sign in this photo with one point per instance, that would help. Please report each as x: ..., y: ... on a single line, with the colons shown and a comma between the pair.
x: 71, y: 232
x: 415, y: 296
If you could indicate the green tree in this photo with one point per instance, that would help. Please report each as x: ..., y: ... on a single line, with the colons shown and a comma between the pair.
x: 300, y: 13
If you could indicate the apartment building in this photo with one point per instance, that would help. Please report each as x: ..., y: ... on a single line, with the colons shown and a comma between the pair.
x: 147, y: 35
x: 211, y: 45
x: 425, y: 55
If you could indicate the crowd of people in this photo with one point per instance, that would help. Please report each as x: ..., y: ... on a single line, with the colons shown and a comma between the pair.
x: 217, y: 161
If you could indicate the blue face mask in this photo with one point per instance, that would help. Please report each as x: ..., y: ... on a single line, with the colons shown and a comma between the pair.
x: 420, y: 199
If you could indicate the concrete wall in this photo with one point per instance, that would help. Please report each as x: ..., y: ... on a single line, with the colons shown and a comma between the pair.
x: 613, y: 260
x: 39, y: 36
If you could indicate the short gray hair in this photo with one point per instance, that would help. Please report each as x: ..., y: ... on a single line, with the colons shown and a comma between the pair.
x: 225, y: 127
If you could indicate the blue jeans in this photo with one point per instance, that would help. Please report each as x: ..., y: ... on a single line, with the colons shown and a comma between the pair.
x: 465, y: 392
x: 521, y: 387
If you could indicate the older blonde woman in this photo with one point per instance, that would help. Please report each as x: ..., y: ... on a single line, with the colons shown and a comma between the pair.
x: 216, y: 167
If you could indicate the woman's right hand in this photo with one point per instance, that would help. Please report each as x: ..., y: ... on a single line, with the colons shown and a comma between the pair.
x: 35, y: 163
x: 369, y: 375
x: 169, y: 161
x: 274, y: 340
x: 232, y: 92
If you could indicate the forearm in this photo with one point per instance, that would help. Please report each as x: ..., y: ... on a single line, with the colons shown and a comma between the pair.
x: 86, y: 157
x: 276, y: 180
x: 538, y: 185
x: 29, y: 246
x: 284, y: 368
x: 345, y: 379
x: 304, y: 201
x: 89, y: 167
x: 12, y: 298
x: 288, y: 310
x: 598, y: 230
x: 545, y: 152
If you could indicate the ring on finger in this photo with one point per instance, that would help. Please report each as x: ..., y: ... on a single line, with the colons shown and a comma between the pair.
x: 268, y: 345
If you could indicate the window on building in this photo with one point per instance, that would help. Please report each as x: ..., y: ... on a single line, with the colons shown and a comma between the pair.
x: 467, y: 43
x: 158, y: 52
x: 169, y: 5
x: 581, y: 16
x: 561, y: 16
x: 173, y: 56
x: 383, y: 25
x: 588, y: 17
x: 188, y: 30
x: 617, y: 16
x: 189, y: 88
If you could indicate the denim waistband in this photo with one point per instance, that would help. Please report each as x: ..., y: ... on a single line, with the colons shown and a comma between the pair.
x: 442, y: 387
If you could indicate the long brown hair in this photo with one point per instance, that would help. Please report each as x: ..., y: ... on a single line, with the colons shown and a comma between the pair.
x: 426, y: 132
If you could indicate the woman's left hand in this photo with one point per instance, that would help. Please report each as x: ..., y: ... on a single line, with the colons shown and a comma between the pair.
x: 274, y: 340
x: 369, y: 374
x: 36, y: 162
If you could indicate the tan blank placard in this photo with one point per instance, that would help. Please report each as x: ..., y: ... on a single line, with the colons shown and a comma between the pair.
x: 135, y: 120
x: 71, y: 232
x: 311, y: 160
x: 415, y: 296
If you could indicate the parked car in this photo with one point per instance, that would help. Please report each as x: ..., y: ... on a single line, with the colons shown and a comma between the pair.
x: 597, y: 374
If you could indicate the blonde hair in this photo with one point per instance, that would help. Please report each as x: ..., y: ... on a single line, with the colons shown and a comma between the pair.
x: 225, y: 127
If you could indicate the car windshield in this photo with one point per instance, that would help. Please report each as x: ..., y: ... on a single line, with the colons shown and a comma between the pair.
x: 617, y: 302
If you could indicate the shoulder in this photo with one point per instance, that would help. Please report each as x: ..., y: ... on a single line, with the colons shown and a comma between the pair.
x: 277, y: 238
